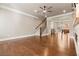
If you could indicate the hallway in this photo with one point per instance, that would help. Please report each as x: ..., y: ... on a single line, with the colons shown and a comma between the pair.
x: 34, y: 46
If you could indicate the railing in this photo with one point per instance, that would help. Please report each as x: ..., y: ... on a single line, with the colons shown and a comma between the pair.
x: 41, y: 27
x: 40, y: 23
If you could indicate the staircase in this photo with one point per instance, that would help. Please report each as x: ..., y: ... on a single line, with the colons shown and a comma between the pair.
x: 41, y: 28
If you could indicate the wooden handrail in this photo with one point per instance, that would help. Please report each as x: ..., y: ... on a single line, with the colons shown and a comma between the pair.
x: 41, y: 23
x: 41, y: 27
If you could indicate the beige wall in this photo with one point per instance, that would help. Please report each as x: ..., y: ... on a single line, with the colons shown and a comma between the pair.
x: 14, y: 24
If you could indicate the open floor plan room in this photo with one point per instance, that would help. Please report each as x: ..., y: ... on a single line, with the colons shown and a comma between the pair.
x: 39, y: 29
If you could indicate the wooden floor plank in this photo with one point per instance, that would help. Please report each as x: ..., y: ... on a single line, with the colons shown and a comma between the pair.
x: 33, y: 46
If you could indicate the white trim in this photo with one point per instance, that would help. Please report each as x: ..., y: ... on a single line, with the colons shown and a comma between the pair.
x: 38, y: 33
x: 60, y: 15
x: 17, y: 11
x: 76, y: 47
x: 45, y: 34
x: 10, y: 38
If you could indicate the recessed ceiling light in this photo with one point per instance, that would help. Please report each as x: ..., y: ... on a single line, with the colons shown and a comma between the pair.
x: 35, y: 10
x: 64, y: 11
x: 44, y: 11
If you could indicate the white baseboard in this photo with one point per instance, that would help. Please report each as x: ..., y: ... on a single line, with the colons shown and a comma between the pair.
x: 10, y: 38
x: 45, y: 34
x: 38, y: 33
x: 35, y: 34
x: 76, y: 47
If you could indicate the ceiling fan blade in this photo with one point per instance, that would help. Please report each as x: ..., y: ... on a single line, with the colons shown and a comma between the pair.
x: 41, y: 7
x: 49, y: 11
x: 49, y: 7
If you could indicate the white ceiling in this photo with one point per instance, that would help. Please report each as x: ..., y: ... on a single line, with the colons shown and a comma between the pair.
x: 56, y: 9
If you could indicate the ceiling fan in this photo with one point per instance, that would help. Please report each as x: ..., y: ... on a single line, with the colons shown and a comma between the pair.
x: 44, y: 10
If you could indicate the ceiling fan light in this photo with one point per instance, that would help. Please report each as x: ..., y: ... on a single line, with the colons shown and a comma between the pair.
x: 64, y: 11
x: 44, y: 11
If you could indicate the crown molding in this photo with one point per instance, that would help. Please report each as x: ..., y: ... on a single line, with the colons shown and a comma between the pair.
x: 70, y: 13
x: 18, y: 11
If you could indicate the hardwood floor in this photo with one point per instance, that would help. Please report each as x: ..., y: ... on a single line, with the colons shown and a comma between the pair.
x: 34, y: 46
